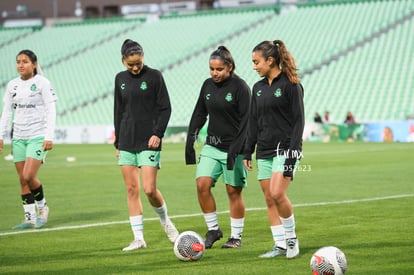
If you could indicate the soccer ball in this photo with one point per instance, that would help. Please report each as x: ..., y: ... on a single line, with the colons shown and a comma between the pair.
x: 189, y: 246
x: 328, y: 260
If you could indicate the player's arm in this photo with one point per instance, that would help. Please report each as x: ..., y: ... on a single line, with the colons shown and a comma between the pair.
x: 252, y: 128
x: 117, y: 112
x: 5, y: 117
x: 243, y: 108
x: 296, y: 100
x: 163, y: 107
x: 197, y: 121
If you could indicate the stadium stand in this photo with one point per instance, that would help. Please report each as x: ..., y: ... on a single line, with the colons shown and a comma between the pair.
x: 352, y: 55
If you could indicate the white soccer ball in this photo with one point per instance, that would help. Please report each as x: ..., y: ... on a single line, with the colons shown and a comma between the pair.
x: 189, y: 246
x: 328, y: 260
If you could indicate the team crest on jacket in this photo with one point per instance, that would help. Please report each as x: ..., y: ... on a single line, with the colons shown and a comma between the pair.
x: 278, y: 92
x: 144, y: 85
x: 208, y: 96
x: 122, y: 86
x: 229, y: 97
x: 259, y: 93
x: 33, y: 87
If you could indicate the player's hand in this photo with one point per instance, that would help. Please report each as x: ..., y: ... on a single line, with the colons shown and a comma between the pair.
x: 154, y: 142
x: 289, y: 167
x: 47, y: 145
x: 1, y: 146
x: 248, y: 164
x: 117, y: 153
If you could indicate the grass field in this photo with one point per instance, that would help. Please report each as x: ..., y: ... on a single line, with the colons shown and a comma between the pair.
x: 356, y: 196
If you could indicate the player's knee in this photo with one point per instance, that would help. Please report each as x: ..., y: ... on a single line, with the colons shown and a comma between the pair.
x: 278, y: 197
x: 150, y: 192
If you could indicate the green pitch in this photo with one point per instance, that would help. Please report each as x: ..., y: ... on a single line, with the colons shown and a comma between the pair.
x: 356, y: 196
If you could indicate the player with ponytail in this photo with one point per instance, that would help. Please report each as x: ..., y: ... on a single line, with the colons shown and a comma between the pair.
x: 224, y: 99
x: 142, y: 110
x: 275, y: 130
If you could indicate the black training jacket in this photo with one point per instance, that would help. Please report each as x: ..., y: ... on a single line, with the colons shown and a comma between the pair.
x: 142, y: 108
x: 226, y: 104
x: 277, y: 119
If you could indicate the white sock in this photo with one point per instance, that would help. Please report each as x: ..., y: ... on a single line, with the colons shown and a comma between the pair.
x: 137, y: 227
x: 162, y: 213
x: 211, y: 220
x: 41, y: 203
x: 237, y: 226
x: 29, y: 211
x: 289, y: 226
x: 278, y: 233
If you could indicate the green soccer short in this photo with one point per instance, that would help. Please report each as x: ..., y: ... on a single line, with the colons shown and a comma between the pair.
x: 213, y: 164
x: 143, y: 158
x: 28, y: 148
x: 265, y: 167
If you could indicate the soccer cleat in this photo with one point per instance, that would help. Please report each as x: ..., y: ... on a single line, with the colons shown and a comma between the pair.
x: 292, y: 248
x: 42, y: 216
x: 232, y: 243
x: 135, y: 244
x: 212, y: 236
x: 26, y: 224
x: 276, y: 251
x: 171, y: 231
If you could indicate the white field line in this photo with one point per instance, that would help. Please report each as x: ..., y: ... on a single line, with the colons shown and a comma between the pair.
x: 199, y: 214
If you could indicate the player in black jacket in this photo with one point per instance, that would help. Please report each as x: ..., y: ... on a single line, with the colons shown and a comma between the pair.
x: 142, y: 110
x: 275, y: 128
x: 224, y: 99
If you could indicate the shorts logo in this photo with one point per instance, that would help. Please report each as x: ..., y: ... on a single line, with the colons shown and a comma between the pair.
x: 38, y: 153
x: 278, y: 92
x: 144, y: 86
x: 229, y: 97
x: 152, y: 158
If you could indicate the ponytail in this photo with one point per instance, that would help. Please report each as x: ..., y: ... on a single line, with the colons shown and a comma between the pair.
x: 283, y: 58
x: 287, y: 63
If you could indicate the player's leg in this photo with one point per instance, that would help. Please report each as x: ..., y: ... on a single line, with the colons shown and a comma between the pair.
x: 278, y: 191
x: 264, y: 173
x: 130, y: 174
x: 276, y: 227
x: 235, y: 182
x: 31, y: 169
x: 29, y: 206
x: 149, y: 161
x: 34, y: 159
x: 208, y: 171
x: 208, y: 207
x: 28, y: 201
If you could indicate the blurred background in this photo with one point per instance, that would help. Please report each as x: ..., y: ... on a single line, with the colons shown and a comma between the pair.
x: 354, y: 57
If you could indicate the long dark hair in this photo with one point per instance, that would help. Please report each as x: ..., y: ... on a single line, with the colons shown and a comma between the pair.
x: 283, y: 58
x: 32, y: 56
x: 222, y: 53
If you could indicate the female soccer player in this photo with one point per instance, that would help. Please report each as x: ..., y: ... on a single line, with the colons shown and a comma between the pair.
x: 224, y: 99
x: 141, y: 113
x: 276, y: 126
x: 29, y: 102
